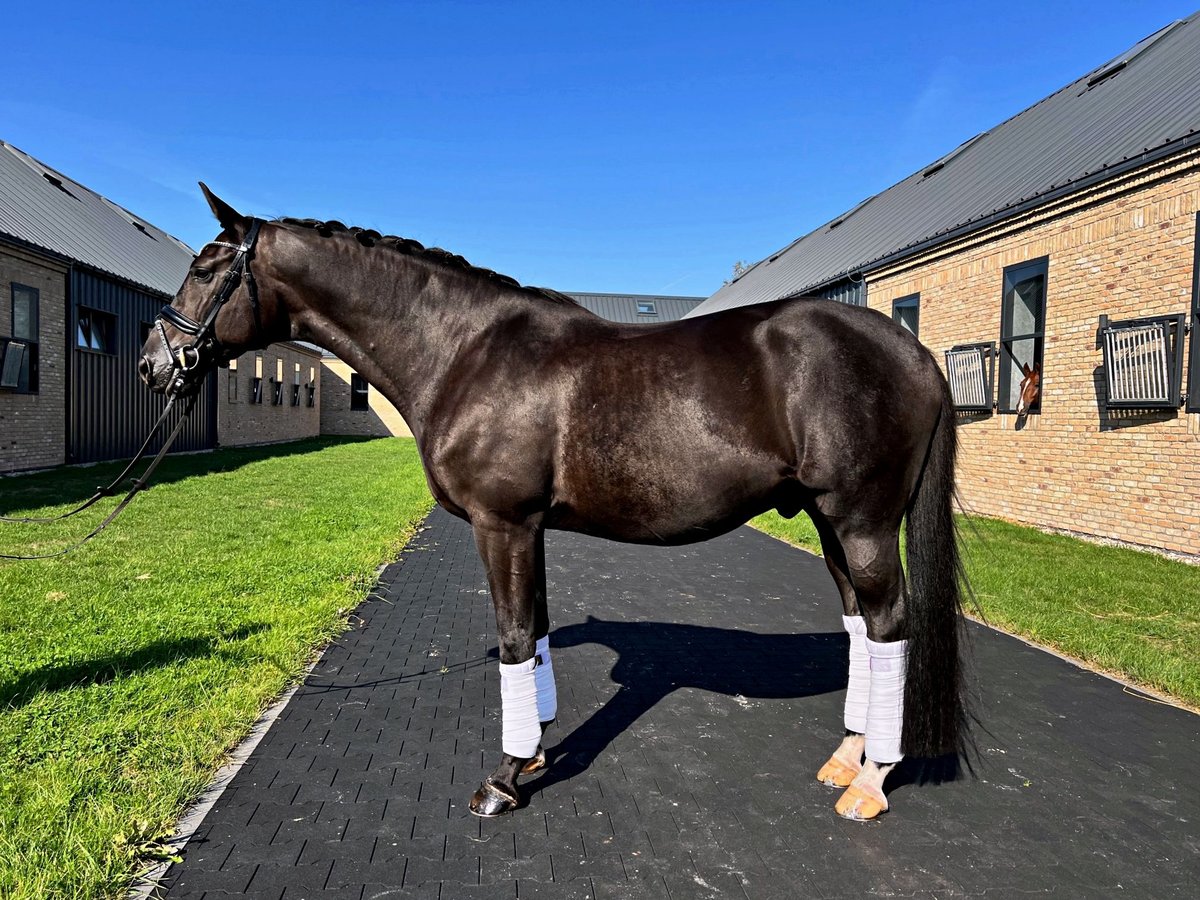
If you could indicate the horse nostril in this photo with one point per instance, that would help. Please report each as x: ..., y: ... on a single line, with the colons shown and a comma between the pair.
x: 145, y: 369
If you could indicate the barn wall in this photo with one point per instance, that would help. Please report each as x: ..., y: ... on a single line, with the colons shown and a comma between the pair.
x: 380, y: 419
x: 1126, y: 251
x: 241, y: 421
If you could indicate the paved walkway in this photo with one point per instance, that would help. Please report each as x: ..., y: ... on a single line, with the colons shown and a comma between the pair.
x: 699, y: 690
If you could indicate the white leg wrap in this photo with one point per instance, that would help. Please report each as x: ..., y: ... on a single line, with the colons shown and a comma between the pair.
x: 547, y: 695
x: 885, y: 713
x: 519, y: 712
x: 858, y: 690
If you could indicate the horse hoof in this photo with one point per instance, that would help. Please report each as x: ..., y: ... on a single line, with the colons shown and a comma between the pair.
x: 536, y: 764
x: 838, y: 773
x: 491, y: 800
x: 861, y: 803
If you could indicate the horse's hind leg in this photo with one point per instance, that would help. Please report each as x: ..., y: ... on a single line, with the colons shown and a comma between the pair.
x: 873, y: 562
x: 514, y: 557
x: 846, y: 762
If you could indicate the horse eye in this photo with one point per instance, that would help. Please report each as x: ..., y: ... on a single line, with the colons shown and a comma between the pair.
x: 202, y: 275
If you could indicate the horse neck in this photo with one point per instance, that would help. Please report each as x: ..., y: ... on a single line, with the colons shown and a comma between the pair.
x: 399, y: 320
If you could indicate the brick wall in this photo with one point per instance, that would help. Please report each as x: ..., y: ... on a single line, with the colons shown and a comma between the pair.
x: 380, y: 419
x: 33, y: 426
x: 1125, y: 250
x: 241, y: 421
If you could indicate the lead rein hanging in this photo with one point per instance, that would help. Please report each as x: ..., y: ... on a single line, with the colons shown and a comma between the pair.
x: 138, y: 485
x: 101, y: 492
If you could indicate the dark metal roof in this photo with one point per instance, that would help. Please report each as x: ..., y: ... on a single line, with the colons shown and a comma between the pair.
x: 1142, y: 104
x: 624, y: 307
x: 46, y: 209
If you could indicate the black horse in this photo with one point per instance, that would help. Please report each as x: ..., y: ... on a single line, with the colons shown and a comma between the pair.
x: 532, y: 413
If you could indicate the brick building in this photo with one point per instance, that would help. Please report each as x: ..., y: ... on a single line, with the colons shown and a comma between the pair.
x: 270, y: 396
x: 1064, y: 237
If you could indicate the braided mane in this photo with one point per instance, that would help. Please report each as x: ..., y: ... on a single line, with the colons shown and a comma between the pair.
x: 371, y: 238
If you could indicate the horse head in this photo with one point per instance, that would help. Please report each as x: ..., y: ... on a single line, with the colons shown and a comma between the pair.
x: 1031, y: 388
x: 220, y: 311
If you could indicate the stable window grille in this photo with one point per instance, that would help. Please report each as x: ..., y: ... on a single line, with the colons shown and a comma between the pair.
x: 906, y: 311
x: 1143, y: 362
x: 970, y: 371
x: 646, y: 308
x: 359, y: 399
x: 296, y: 386
x: 19, y: 352
x: 1022, y: 328
x: 312, y: 386
x: 276, y: 392
x: 95, y: 330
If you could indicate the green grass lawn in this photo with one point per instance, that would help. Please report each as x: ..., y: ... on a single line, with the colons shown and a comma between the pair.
x: 128, y: 668
x: 1127, y: 612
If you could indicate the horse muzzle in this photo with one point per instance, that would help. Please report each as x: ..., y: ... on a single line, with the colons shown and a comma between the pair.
x: 179, y: 371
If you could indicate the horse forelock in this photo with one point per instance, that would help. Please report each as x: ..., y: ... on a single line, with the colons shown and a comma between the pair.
x: 367, y: 237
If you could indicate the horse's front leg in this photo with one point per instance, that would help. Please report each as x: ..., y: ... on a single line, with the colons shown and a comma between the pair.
x: 514, y: 556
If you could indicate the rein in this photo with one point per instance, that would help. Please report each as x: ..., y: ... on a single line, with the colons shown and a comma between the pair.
x: 185, y: 360
x: 138, y: 485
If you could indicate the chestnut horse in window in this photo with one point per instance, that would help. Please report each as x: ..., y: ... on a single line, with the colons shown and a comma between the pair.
x: 1030, y: 389
x: 532, y: 413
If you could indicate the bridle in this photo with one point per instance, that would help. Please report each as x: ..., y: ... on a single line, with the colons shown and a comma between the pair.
x: 187, y: 359
x: 186, y: 362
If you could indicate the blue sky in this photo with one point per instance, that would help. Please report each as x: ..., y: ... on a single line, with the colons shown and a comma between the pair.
x: 640, y: 147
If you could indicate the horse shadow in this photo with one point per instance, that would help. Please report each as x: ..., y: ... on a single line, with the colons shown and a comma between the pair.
x: 101, y: 670
x: 656, y: 658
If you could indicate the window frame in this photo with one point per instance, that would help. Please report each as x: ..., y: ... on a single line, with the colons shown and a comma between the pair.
x: 1174, y: 361
x: 987, y: 353
x: 1040, y: 265
x: 111, y: 347
x: 651, y: 307
x: 1193, y: 382
x: 30, y: 344
x: 357, y: 405
x: 909, y: 301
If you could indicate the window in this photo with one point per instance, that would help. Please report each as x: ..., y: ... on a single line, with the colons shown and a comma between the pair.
x: 311, y: 387
x: 296, y: 386
x: 1022, y: 328
x: 19, y: 353
x: 95, y: 330
x: 232, y: 381
x: 969, y: 370
x: 907, y: 312
x: 277, y: 384
x: 358, y: 392
x: 256, y: 381
x: 1143, y: 362
x: 646, y: 308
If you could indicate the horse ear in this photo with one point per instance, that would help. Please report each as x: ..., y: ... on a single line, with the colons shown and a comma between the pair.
x: 1026, y: 370
x: 226, y: 214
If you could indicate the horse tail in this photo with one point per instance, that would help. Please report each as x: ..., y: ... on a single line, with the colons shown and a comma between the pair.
x: 934, y: 705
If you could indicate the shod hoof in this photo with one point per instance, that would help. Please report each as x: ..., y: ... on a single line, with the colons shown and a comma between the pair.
x: 536, y: 764
x: 838, y: 773
x: 491, y: 800
x: 861, y: 803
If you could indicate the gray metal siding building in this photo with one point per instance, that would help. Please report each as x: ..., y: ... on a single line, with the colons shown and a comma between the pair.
x: 633, y: 308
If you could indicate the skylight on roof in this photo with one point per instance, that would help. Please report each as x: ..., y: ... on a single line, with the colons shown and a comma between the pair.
x: 57, y: 182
